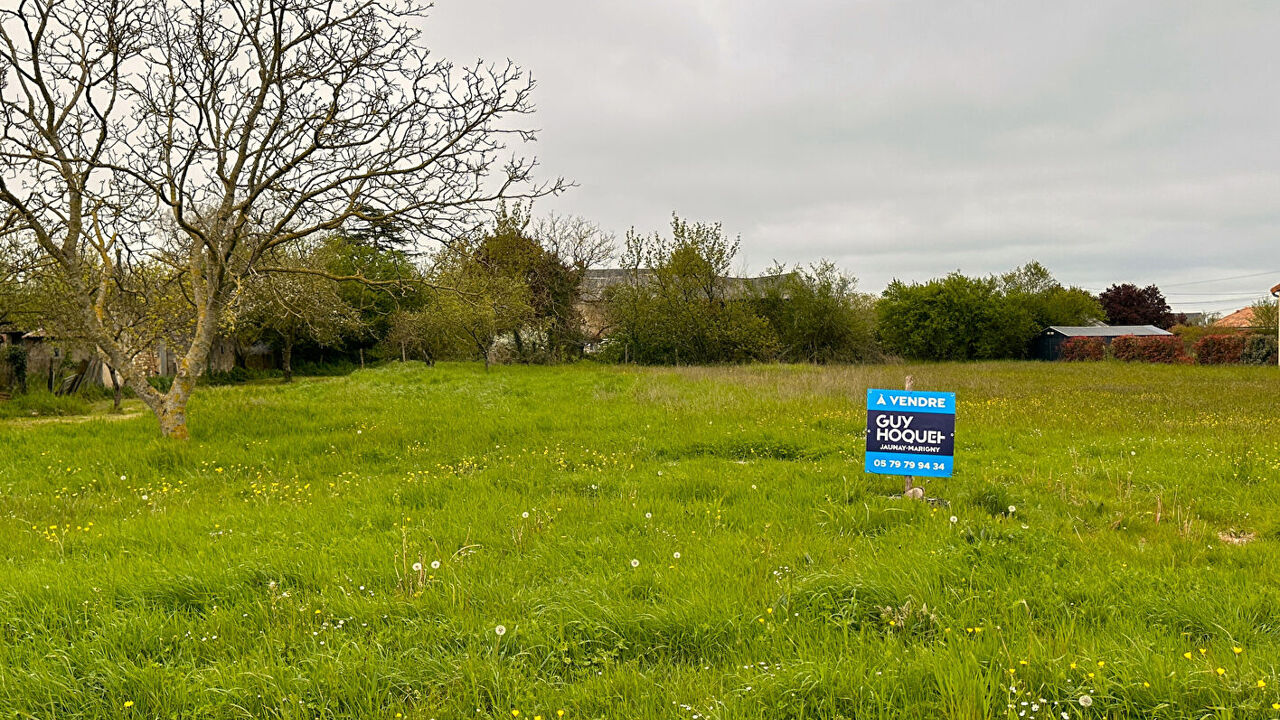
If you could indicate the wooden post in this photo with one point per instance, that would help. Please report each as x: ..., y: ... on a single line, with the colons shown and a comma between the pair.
x: 910, y: 490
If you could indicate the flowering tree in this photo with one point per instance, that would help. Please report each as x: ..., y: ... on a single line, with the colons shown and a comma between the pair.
x: 198, y: 140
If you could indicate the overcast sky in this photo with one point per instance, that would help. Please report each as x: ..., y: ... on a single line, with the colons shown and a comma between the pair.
x: 1113, y: 141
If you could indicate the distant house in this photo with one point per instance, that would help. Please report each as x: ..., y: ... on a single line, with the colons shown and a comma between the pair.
x: 1049, y: 342
x: 1241, y: 319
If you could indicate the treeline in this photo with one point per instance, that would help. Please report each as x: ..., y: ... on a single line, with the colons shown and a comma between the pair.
x: 510, y: 293
x: 521, y: 290
x: 679, y: 306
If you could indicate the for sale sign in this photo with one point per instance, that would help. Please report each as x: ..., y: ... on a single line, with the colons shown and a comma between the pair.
x: 911, y: 433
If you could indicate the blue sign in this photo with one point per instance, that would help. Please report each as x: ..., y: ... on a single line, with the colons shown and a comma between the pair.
x: 911, y: 433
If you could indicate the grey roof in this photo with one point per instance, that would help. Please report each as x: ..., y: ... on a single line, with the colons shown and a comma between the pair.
x: 1107, y: 330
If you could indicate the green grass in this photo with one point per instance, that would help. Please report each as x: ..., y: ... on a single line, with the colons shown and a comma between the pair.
x: 40, y: 402
x: 264, y: 568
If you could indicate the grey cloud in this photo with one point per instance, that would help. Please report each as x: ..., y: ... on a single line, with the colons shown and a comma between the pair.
x: 1114, y: 141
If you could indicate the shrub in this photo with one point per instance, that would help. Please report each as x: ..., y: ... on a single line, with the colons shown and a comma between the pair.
x: 1220, y: 349
x: 1076, y: 349
x: 1154, y: 349
x: 817, y: 314
x: 677, y: 307
x: 1259, y: 350
x: 15, y: 356
x: 1125, y: 348
x: 953, y: 318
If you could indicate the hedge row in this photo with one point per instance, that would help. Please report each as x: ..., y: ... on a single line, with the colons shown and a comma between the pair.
x: 1209, y: 350
x: 1076, y: 349
x: 1220, y: 349
x: 1158, y: 349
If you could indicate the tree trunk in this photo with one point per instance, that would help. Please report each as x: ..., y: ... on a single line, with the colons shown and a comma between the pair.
x: 286, y: 357
x: 173, y: 419
x: 115, y: 386
x: 404, y: 356
x: 169, y: 408
x: 515, y: 334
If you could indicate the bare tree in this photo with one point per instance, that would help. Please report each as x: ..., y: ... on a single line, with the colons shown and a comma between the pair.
x: 244, y: 126
x: 578, y: 242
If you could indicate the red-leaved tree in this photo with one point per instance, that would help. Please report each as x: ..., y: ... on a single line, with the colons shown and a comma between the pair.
x: 1129, y: 304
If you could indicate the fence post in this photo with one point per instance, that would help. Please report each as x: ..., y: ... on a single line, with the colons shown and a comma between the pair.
x: 910, y: 490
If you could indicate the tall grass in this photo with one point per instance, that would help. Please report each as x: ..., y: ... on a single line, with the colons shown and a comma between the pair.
x: 656, y: 543
x: 38, y: 401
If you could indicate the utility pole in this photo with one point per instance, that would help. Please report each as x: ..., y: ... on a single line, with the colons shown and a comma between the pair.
x: 1275, y: 292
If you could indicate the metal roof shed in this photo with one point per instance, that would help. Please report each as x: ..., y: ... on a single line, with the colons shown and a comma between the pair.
x: 1049, y: 342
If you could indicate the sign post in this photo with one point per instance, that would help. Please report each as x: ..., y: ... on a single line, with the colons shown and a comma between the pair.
x: 910, y: 433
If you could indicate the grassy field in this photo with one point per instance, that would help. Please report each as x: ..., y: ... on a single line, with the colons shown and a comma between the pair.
x: 600, y: 542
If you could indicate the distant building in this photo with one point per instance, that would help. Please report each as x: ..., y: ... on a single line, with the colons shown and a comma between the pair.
x: 1049, y: 343
x: 1241, y: 319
